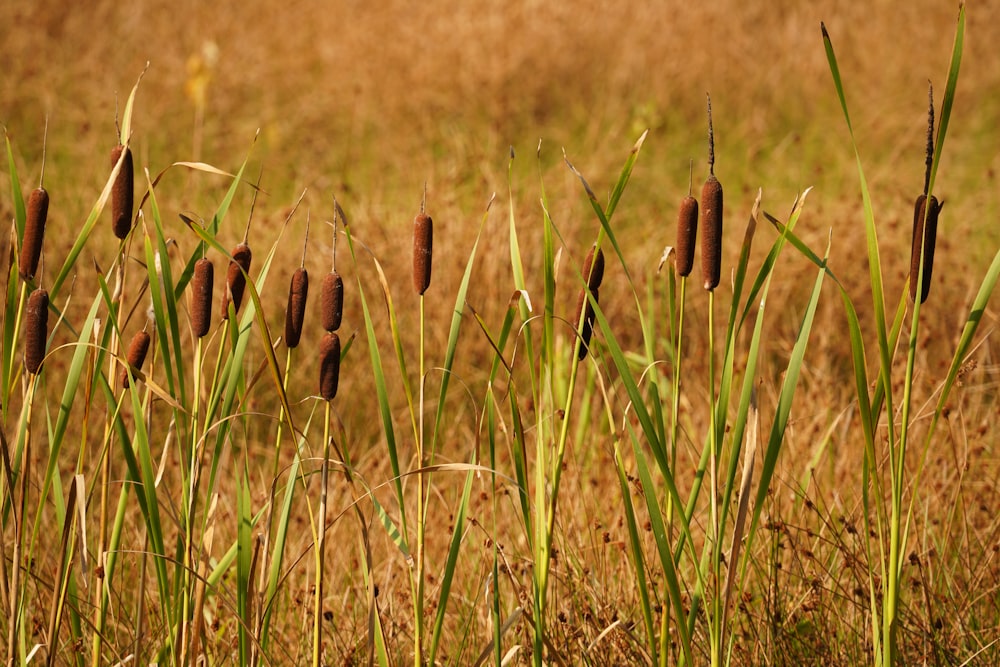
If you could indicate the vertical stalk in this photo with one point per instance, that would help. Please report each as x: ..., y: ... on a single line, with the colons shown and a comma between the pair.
x: 321, y: 544
x: 418, y: 603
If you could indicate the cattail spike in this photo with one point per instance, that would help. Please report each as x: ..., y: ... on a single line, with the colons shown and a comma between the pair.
x: 687, y: 235
x: 332, y: 301
x: 711, y: 240
x: 329, y: 366
x: 236, y: 278
x: 296, y: 311
x: 122, y: 191
x: 593, y: 268
x: 135, y: 357
x: 423, y: 242
x: 922, y: 212
x: 201, y: 299
x: 36, y: 330
x: 34, y: 233
x: 585, y: 310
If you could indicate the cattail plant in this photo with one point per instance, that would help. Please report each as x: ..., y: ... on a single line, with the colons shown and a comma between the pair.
x: 925, y: 218
x: 122, y: 191
x: 423, y: 242
x: 36, y: 330
x: 34, y: 232
x: 201, y: 297
x: 332, y: 294
x: 298, y: 290
x: 236, y: 278
x: 687, y: 232
x: 711, y: 217
x: 135, y: 357
x: 593, y: 271
x: 329, y: 366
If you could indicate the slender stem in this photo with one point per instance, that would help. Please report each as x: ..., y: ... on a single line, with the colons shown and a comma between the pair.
x: 716, y: 629
x: 321, y: 544
x: 418, y: 602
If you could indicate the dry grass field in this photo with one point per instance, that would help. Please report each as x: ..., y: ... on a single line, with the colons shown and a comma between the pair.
x: 372, y: 102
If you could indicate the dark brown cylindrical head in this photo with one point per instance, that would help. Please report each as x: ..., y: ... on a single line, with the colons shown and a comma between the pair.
x: 236, y: 278
x: 34, y: 232
x: 423, y: 242
x: 332, y: 297
x: 329, y: 366
x: 587, y: 326
x: 711, y: 235
x: 36, y: 330
x: 122, y: 192
x: 929, y: 238
x: 593, y: 269
x: 201, y: 297
x: 135, y: 357
x: 295, y: 313
x: 687, y: 235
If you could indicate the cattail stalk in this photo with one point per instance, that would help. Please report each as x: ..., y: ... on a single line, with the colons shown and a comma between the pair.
x: 925, y: 220
x: 295, y: 312
x: 423, y: 242
x: 687, y: 233
x: 34, y: 233
x: 122, y: 191
x: 236, y: 278
x: 711, y: 217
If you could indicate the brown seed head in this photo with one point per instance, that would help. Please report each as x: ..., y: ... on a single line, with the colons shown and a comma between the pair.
x: 122, y: 192
x: 201, y: 297
x: 295, y: 313
x: 332, y: 297
x: 687, y: 235
x: 929, y: 239
x: 34, y: 232
x: 236, y: 279
x: 135, y: 357
x: 423, y: 241
x: 593, y: 269
x: 329, y: 366
x: 36, y: 330
x: 711, y: 240
x: 587, y: 326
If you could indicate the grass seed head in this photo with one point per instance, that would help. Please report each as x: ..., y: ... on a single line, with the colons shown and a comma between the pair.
x: 122, y: 192
x: 332, y: 297
x: 423, y: 241
x: 34, y: 232
x: 687, y: 235
x: 236, y: 278
x: 36, y: 330
x: 329, y: 366
x: 929, y: 239
x: 135, y: 357
x: 201, y: 299
x: 295, y: 313
x: 593, y: 268
x: 711, y: 240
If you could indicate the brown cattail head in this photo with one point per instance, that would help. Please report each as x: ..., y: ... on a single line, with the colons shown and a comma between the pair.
x: 329, y: 366
x: 135, y: 357
x: 122, y: 192
x: 201, y: 297
x: 34, y: 231
x: 587, y: 326
x: 36, y: 330
x: 332, y: 306
x: 295, y: 313
x: 687, y: 235
x: 711, y: 240
x: 929, y: 239
x: 236, y: 278
x: 593, y: 268
x: 423, y: 241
